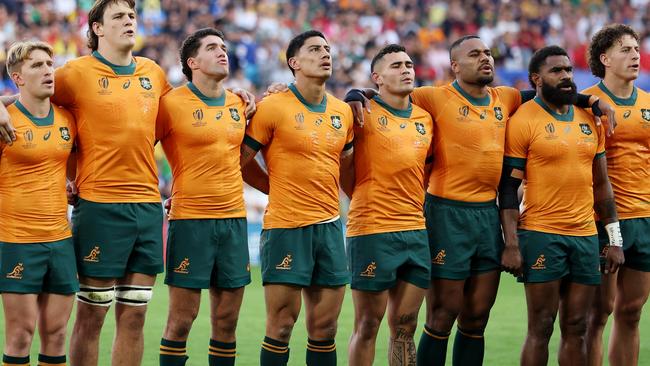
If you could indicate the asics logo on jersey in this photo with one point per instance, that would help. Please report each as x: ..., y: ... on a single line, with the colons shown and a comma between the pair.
x: 286, y: 263
x: 539, y: 263
x: 219, y: 114
x: 93, y: 256
x: 440, y: 257
x: 127, y: 84
x: 369, y: 271
x: 627, y: 114
x: 183, y: 266
x: 483, y: 115
x: 47, y: 136
x: 17, y: 272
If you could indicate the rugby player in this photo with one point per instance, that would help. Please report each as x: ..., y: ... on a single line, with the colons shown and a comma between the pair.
x: 38, y: 277
x: 560, y: 154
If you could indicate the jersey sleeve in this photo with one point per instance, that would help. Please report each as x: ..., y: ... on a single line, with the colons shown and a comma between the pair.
x: 511, y: 97
x: 259, y: 131
x: 63, y: 94
x: 163, y: 120
x: 425, y: 97
x: 166, y: 86
x: 518, y: 136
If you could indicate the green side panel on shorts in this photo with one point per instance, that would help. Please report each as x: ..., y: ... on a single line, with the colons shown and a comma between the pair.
x: 636, y: 242
x: 33, y: 268
x: 464, y: 237
x: 378, y: 261
x: 550, y: 257
x: 112, y: 239
x: 305, y: 256
x: 204, y: 253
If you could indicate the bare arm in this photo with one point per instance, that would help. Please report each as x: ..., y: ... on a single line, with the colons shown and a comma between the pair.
x: 605, y: 207
x: 7, y: 130
x: 509, y: 211
x: 8, y: 100
x: 252, y: 172
x: 346, y: 171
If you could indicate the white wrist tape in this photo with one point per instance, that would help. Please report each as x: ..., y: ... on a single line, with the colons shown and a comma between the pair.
x: 614, y: 233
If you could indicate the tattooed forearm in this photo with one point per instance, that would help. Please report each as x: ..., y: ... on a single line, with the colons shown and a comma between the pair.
x: 402, y: 349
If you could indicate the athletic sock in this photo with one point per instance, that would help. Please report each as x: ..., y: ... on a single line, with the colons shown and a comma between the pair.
x: 172, y: 353
x: 469, y: 346
x: 321, y: 353
x: 221, y: 353
x: 45, y: 360
x: 432, y: 349
x: 274, y: 353
x: 15, y: 361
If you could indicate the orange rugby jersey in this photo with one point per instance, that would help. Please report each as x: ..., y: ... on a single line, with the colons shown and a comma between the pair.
x: 202, y: 137
x: 468, y: 139
x: 301, y: 144
x: 115, y: 108
x: 628, y: 151
x: 557, y: 152
x: 390, y: 153
x: 33, y: 203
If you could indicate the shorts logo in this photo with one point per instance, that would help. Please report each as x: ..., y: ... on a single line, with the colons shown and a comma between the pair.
x: 627, y: 114
x: 286, y: 263
x: 370, y: 270
x: 336, y: 122
x: 47, y: 136
x: 145, y: 83
x: 93, y: 256
x: 498, y: 113
x: 539, y: 263
x: 645, y: 113
x: 17, y: 273
x: 234, y: 113
x: 65, y: 133
x: 440, y: 257
x: 182, y: 268
x: 584, y: 128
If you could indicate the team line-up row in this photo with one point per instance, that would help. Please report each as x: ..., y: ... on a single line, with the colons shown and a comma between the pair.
x: 94, y: 122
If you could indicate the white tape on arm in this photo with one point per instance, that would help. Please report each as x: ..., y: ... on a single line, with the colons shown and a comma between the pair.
x: 614, y: 233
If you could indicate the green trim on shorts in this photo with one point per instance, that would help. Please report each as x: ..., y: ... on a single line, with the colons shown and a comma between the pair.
x: 378, y: 261
x: 636, y: 242
x: 464, y: 237
x: 112, y: 239
x: 312, y: 255
x: 204, y: 253
x: 34, y: 268
x: 549, y: 257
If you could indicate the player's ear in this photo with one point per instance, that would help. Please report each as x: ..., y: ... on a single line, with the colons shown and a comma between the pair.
x: 192, y: 64
x: 98, y: 29
x: 17, y: 78
x: 294, y: 64
x: 454, y: 67
x: 537, y: 79
x: 376, y: 79
x: 604, y: 60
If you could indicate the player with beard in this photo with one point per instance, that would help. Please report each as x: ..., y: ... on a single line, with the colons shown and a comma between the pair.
x: 560, y: 153
x: 469, y: 134
x: 614, y: 57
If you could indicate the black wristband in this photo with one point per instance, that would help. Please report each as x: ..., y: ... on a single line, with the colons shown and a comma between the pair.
x: 354, y: 95
x: 583, y: 101
x: 595, y: 109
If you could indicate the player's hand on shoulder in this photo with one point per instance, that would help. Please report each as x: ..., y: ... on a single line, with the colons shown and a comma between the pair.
x: 600, y: 109
x: 7, y: 130
x: 276, y: 88
x: 248, y: 98
x: 357, y: 101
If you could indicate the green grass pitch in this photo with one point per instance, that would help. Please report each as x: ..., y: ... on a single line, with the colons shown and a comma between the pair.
x: 504, y: 335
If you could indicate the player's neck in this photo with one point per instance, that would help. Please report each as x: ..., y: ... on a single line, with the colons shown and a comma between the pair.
x: 38, y: 107
x: 619, y: 87
x: 395, y: 101
x: 474, y: 90
x: 115, y: 56
x: 210, y: 87
x: 313, y: 92
x: 559, y: 109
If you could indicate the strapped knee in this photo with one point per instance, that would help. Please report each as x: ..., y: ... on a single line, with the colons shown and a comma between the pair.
x: 133, y: 295
x: 98, y: 296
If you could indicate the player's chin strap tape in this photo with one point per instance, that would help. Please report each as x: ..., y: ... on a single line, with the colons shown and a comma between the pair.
x: 354, y: 95
x: 98, y: 296
x: 508, y: 189
x: 614, y: 233
x: 133, y: 295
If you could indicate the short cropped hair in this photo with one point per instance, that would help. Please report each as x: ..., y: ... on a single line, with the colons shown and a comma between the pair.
x: 539, y: 58
x: 459, y: 41
x: 191, y: 46
x: 20, y: 51
x: 391, y: 48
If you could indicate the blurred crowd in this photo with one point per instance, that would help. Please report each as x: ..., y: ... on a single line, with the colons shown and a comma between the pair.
x: 258, y: 31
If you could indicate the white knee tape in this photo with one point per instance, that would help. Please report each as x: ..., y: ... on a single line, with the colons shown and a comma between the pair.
x: 133, y: 295
x: 98, y: 296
